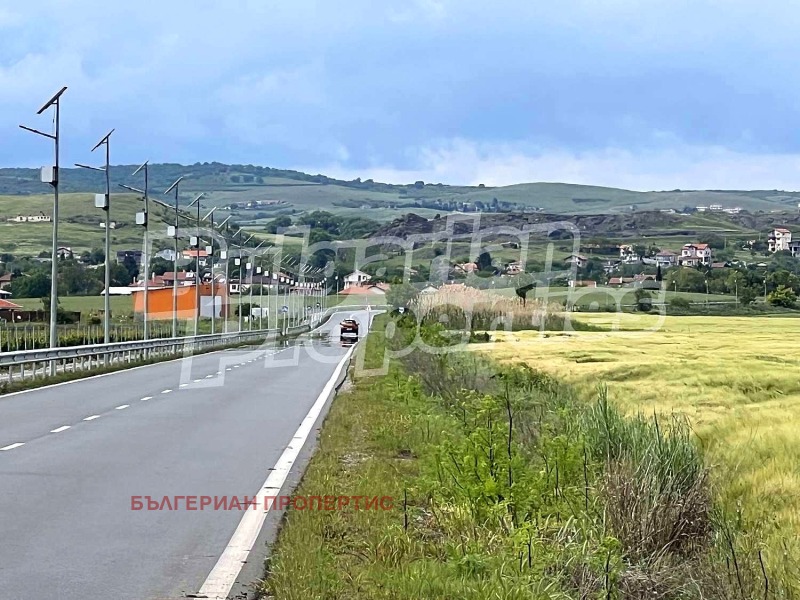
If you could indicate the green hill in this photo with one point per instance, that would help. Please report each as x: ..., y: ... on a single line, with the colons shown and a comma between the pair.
x: 288, y: 191
x: 254, y: 195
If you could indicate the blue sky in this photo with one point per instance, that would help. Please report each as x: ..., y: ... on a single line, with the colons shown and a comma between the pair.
x: 647, y: 94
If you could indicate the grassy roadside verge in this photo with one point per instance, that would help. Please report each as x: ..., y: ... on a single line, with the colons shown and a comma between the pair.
x: 506, y: 485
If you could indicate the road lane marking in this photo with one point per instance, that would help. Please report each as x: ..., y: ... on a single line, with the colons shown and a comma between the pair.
x: 146, y: 398
x: 209, y: 376
x: 12, y: 446
x: 92, y: 418
x: 183, y: 385
x: 166, y: 391
x: 122, y: 407
x: 219, y: 582
x: 60, y: 429
x: 197, y: 381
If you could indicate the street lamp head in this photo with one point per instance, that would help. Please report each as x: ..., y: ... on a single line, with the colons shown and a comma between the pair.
x: 132, y: 189
x: 82, y: 166
x: 225, y: 221
x: 211, y: 212
x: 197, y: 199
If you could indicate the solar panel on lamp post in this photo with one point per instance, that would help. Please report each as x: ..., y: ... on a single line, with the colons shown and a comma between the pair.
x: 50, y: 175
x: 142, y: 219
x: 175, y: 186
x: 194, y: 202
x: 104, y: 202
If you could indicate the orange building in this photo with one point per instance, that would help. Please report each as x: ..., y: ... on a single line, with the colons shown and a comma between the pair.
x: 160, y: 302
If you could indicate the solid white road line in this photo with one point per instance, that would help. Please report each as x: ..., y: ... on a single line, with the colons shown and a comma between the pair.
x: 60, y: 429
x: 146, y: 398
x: 12, y: 446
x: 92, y: 418
x: 122, y: 407
x: 224, y: 574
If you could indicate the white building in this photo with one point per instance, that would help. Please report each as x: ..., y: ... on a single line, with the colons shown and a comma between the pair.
x: 779, y: 239
x: 40, y: 218
x: 693, y: 255
x: 356, y: 278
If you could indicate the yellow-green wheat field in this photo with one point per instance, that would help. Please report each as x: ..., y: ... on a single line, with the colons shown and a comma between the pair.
x: 737, y: 379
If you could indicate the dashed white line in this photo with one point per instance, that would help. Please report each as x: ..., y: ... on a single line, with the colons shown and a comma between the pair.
x: 228, y: 369
x: 146, y: 398
x: 122, y: 407
x: 166, y: 391
x: 60, y: 429
x: 12, y: 446
x: 197, y: 380
x: 92, y: 418
x: 183, y: 385
x: 209, y: 376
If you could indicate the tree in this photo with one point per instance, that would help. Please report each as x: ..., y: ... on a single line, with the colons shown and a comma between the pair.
x: 783, y: 296
x: 484, y: 261
x: 401, y: 295
x: 35, y: 285
x: 687, y: 280
x: 747, y: 295
x: 644, y: 301
x: 278, y: 223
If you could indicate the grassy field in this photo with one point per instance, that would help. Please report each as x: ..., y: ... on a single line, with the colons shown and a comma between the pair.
x: 735, y: 378
x: 79, y: 223
x: 120, y: 305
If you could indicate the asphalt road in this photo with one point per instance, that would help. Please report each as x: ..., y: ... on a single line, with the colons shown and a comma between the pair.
x: 73, y: 455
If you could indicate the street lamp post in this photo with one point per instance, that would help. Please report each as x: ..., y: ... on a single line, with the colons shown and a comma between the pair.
x: 175, y: 187
x: 104, y: 202
x: 194, y: 202
x: 223, y: 255
x: 241, y: 247
x: 251, y: 267
x: 50, y: 175
x: 210, y: 215
x: 142, y: 219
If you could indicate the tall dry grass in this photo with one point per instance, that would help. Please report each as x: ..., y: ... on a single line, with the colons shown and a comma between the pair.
x: 461, y: 307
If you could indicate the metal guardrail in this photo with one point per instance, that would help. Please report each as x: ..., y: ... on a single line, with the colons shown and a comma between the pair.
x: 44, y: 362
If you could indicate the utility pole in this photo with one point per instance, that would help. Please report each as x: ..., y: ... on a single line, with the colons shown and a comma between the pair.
x: 51, y: 175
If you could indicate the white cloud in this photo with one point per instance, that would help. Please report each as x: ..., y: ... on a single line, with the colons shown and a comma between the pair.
x: 681, y: 166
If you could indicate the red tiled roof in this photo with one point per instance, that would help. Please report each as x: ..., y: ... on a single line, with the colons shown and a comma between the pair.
x: 365, y: 289
x: 6, y: 305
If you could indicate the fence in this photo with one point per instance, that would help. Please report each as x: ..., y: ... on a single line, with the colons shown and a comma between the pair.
x: 46, y: 362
